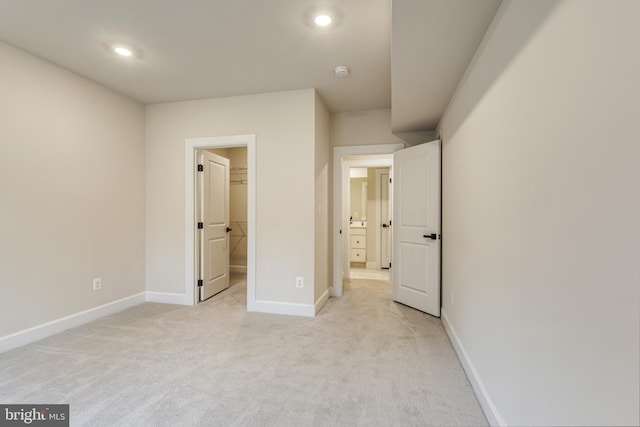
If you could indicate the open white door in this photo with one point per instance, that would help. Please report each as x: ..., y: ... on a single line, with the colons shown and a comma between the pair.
x: 416, y: 227
x: 213, y: 224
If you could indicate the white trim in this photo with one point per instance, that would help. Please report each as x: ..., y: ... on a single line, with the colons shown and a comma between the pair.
x: 168, y: 298
x: 191, y: 145
x: 321, y: 301
x: 289, y: 308
x: 339, y: 219
x: 36, y: 333
x: 489, y: 408
x: 373, y: 265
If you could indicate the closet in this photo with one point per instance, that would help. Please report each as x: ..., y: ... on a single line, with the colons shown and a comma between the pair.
x: 237, y: 207
x: 238, y: 216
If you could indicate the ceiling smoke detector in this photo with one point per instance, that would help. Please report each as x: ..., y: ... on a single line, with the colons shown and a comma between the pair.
x: 341, y: 71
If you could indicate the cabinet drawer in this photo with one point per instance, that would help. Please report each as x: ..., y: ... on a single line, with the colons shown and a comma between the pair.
x: 358, y: 242
x: 357, y: 231
x: 358, y: 255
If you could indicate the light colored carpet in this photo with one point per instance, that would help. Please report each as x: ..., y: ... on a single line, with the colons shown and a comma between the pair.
x: 368, y: 273
x: 363, y: 361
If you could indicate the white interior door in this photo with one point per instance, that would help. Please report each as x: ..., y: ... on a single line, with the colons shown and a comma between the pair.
x: 213, y: 224
x: 416, y: 227
x: 385, y: 221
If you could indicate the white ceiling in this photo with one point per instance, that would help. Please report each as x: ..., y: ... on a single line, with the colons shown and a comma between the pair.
x: 193, y: 49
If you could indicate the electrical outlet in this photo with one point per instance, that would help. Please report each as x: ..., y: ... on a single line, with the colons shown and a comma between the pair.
x: 97, y: 283
x: 451, y: 294
x: 299, y: 282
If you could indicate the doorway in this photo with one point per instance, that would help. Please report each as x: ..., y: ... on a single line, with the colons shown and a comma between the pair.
x: 416, y: 213
x: 343, y: 159
x: 369, y: 218
x: 212, y: 207
x: 192, y: 145
x: 230, y: 264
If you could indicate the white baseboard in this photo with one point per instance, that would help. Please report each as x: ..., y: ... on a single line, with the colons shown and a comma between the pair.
x: 490, y: 410
x: 168, y: 298
x: 289, y: 308
x: 238, y: 269
x: 27, y: 336
x: 36, y: 333
x: 321, y: 301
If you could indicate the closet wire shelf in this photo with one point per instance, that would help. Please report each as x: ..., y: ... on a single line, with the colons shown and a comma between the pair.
x: 238, y: 170
x: 242, y: 228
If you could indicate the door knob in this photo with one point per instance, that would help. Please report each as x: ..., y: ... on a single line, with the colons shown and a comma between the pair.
x: 385, y: 225
x: 432, y: 236
x: 229, y: 229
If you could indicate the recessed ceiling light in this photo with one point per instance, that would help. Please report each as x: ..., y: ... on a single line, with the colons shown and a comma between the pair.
x: 123, y: 51
x: 322, y: 20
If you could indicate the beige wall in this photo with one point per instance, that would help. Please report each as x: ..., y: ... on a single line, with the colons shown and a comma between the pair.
x: 284, y: 124
x: 541, y: 229
x: 322, y: 199
x: 224, y: 152
x: 362, y: 128
x: 71, y: 193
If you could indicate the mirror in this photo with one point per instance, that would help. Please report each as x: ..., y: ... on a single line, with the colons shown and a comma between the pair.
x: 358, y: 202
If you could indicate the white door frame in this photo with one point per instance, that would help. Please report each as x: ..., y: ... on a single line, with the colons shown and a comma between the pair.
x: 340, y: 203
x: 190, y: 227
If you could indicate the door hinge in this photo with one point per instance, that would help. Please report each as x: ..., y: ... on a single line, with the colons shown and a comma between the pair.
x: 200, y: 168
x: 200, y: 282
x: 341, y: 231
x: 389, y: 265
x: 200, y: 225
x: 389, y: 223
x: 389, y: 180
